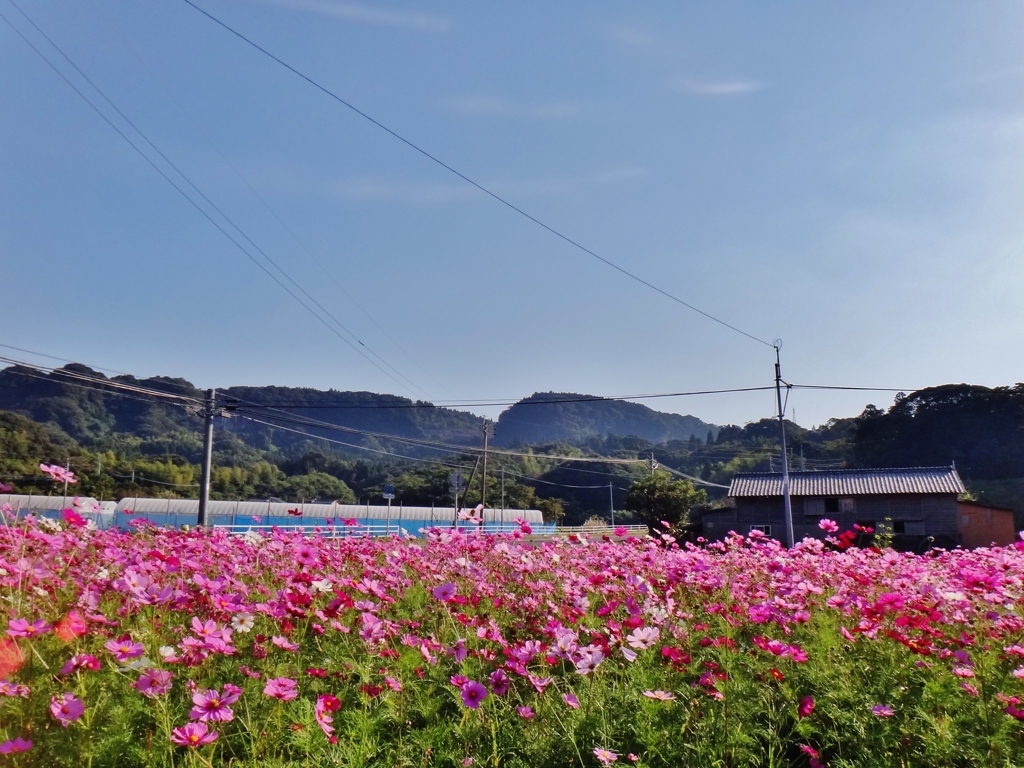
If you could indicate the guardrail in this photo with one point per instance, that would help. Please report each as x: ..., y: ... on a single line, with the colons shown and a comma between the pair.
x: 349, y: 531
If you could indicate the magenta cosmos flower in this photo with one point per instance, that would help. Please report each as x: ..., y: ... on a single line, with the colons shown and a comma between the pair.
x: 805, y: 707
x: 605, y: 756
x: 66, y: 708
x: 212, y: 705
x: 282, y: 688
x: 526, y: 713
x: 14, y: 746
x: 123, y: 648
x: 80, y: 661
x: 154, y: 682
x: 473, y: 693
x: 22, y: 628
x: 193, y: 735
x: 444, y: 592
x: 881, y: 710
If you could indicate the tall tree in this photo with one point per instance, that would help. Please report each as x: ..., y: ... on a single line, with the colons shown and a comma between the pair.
x: 658, y: 497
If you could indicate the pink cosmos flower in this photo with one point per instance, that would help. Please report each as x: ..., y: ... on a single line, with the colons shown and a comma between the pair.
x: 285, y: 643
x: 22, y: 628
x: 71, y: 626
x: 805, y: 707
x: 123, y: 648
x: 66, y: 708
x: 660, y: 695
x: 153, y: 683
x: 325, y: 705
x: 257, y: 519
x: 473, y: 693
x: 1012, y: 711
x: 829, y: 526
x: 526, y: 713
x: 211, y: 705
x: 15, y: 746
x: 642, y: 638
x: 8, y: 688
x: 193, y: 735
x: 283, y: 688
x: 58, y: 473
x: 604, y: 756
x: 571, y: 700
x: 80, y: 661
x: 444, y: 592
x: 881, y: 710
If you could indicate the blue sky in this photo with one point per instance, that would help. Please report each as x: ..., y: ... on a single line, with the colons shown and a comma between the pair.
x: 849, y: 179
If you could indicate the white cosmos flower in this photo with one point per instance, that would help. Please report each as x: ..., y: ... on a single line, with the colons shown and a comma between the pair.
x: 242, y: 622
x: 324, y: 585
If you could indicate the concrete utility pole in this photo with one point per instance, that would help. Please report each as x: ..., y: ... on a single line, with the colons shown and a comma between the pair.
x: 787, y: 502
x: 483, y: 476
x: 611, y: 501
x: 204, y: 482
x: 652, y: 463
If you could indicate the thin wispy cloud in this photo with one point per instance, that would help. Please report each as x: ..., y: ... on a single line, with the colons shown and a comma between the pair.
x: 368, y: 14
x: 696, y: 86
x: 490, y: 106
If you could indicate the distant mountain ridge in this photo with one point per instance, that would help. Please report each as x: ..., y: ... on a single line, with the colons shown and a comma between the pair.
x: 101, y: 419
x: 569, y: 417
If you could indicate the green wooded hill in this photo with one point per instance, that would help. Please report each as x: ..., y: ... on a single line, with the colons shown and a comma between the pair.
x: 134, y: 446
x: 546, y: 417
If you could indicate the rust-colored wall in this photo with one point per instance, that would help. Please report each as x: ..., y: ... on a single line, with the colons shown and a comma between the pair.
x: 981, y: 526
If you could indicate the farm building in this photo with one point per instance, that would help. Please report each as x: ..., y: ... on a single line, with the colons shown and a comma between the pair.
x: 919, y: 503
x: 982, y: 525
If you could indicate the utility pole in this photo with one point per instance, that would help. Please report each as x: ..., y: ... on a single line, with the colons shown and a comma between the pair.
x: 611, y: 501
x: 67, y: 468
x: 652, y: 463
x: 483, y: 476
x: 503, y: 493
x: 204, y: 481
x: 787, y: 502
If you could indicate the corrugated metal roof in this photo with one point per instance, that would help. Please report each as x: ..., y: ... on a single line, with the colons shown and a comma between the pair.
x: 850, y: 482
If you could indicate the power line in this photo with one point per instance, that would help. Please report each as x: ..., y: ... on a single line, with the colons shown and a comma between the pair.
x: 470, y: 181
x: 355, y: 405
x: 256, y: 193
x: 698, y: 480
x: 204, y: 197
x: 117, y: 385
x: 353, y: 445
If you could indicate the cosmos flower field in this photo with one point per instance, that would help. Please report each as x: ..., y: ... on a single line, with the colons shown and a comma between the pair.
x: 170, y: 648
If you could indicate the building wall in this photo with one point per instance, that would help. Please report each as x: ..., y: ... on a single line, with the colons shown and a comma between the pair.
x: 982, y: 526
x: 916, y: 517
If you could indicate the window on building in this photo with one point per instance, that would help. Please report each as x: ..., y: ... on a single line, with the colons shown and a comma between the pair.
x: 765, y: 529
x: 900, y: 526
x: 814, y: 508
x: 847, y: 506
x: 832, y: 506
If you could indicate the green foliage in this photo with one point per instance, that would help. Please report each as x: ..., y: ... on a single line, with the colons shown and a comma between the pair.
x: 659, y: 497
x: 537, y: 420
